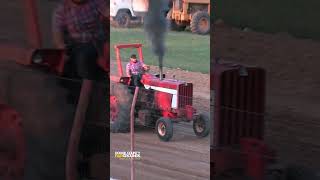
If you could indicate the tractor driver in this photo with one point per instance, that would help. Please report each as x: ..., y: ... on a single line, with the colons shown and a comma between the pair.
x: 79, y: 26
x: 135, y: 69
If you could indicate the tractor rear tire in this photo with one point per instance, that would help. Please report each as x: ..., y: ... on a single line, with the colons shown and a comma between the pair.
x: 120, y: 120
x: 164, y: 128
x: 123, y: 19
x: 200, y: 23
x: 201, y: 125
x: 12, y: 144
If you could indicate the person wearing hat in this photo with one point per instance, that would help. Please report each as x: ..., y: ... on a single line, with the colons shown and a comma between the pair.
x: 135, y: 69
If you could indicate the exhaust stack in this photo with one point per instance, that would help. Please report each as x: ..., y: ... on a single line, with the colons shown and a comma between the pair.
x: 160, y: 67
x: 155, y: 26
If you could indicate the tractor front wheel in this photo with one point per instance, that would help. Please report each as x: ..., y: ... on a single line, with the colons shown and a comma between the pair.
x: 120, y: 103
x: 201, y: 125
x: 164, y: 129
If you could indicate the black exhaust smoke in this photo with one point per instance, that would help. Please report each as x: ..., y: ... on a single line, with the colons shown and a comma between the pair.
x: 155, y: 26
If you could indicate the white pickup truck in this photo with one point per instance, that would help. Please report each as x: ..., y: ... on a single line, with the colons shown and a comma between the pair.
x: 124, y: 12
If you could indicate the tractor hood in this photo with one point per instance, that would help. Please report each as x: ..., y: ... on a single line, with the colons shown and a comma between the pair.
x: 152, y: 80
x: 180, y: 92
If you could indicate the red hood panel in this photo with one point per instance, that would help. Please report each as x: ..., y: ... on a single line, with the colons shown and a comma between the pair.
x: 152, y: 80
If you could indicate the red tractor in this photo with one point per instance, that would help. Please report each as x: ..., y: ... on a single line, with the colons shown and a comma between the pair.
x: 161, y: 101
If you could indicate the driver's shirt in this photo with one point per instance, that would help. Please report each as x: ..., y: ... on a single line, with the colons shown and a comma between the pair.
x: 134, y: 68
x: 82, y: 22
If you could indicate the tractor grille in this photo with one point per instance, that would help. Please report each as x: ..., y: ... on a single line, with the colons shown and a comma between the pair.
x: 238, y: 105
x: 185, y: 95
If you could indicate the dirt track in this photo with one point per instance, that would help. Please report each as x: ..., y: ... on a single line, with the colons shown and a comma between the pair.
x: 293, y: 82
x: 185, y: 157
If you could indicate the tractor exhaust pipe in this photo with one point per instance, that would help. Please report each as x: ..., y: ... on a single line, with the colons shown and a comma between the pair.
x: 160, y: 67
x: 161, y: 74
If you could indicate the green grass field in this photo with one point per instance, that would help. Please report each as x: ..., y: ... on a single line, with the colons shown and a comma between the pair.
x: 184, y: 50
x: 298, y: 17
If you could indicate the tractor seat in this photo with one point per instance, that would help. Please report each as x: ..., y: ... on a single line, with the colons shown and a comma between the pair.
x: 125, y: 80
